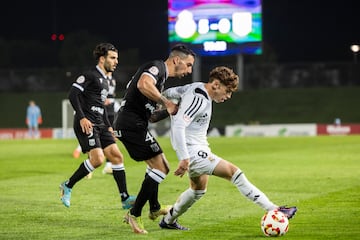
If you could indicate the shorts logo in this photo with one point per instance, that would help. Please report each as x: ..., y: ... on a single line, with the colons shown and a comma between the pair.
x: 202, y: 154
x: 155, y: 147
x: 117, y: 133
x: 91, y: 142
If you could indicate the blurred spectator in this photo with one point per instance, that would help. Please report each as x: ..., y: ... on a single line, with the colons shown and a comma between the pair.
x: 33, y: 119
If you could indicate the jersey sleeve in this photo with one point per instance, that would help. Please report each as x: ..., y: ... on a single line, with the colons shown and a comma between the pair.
x: 175, y: 93
x: 191, y: 105
x: 155, y: 71
x: 75, y: 93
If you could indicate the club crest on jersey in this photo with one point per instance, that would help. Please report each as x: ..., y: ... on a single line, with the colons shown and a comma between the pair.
x: 154, y: 70
x: 80, y: 79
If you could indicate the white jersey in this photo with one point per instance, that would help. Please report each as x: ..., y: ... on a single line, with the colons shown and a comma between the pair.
x: 190, y: 125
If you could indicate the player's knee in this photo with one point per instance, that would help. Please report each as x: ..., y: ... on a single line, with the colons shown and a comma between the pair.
x: 116, y: 158
x: 114, y: 155
x: 97, y: 158
x: 166, y: 167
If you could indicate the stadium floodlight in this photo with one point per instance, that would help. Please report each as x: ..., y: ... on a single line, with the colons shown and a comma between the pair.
x: 355, y: 48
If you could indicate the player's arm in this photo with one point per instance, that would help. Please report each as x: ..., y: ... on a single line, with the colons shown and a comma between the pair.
x: 158, y: 115
x: 146, y: 86
x: 174, y: 94
x: 179, y: 144
x: 179, y: 122
x: 74, y: 98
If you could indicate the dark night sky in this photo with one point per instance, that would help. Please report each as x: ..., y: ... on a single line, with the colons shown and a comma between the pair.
x: 298, y: 30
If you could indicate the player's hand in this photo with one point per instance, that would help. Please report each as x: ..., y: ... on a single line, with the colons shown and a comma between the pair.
x: 171, y: 107
x: 86, y: 126
x: 182, y: 168
x: 112, y: 133
x: 107, y: 102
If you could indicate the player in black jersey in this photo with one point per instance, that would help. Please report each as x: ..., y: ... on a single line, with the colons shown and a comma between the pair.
x: 92, y: 126
x: 142, y: 95
x: 111, y: 107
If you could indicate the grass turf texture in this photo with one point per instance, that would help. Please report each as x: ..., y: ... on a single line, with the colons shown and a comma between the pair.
x: 320, y: 175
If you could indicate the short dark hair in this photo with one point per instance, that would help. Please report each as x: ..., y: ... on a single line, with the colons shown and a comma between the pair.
x: 183, y: 48
x: 102, y: 50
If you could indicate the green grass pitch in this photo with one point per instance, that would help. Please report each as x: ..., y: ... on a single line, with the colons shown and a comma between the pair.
x: 320, y: 175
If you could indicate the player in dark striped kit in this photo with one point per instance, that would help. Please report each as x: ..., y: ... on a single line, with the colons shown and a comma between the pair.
x: 142, y: 95
x: 92, y: 126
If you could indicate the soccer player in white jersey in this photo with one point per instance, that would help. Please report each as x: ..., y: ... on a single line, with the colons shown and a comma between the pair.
x: 189, y: 139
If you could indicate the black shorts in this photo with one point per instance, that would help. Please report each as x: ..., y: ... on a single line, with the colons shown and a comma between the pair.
x: 100, y: 137
x: 140, y: 144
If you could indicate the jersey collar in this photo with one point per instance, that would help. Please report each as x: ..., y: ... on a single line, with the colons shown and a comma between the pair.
x: 102, y: 73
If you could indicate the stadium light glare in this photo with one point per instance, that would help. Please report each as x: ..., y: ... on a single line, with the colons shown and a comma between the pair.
x: 355, y: 48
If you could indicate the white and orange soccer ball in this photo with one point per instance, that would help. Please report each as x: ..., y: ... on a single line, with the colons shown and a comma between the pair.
x: 274, y: 223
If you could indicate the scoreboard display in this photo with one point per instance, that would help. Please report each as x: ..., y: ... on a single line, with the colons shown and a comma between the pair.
x: 216, y: 27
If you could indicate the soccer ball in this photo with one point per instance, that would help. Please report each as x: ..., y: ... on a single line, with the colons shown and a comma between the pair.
x: 274, y: 223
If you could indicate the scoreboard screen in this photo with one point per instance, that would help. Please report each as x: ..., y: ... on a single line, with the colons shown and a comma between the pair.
x: 216, y: 27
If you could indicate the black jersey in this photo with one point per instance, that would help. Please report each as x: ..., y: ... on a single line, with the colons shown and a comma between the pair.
x: 87, y: 96
x: 111, y: 96
x: 136, y: 108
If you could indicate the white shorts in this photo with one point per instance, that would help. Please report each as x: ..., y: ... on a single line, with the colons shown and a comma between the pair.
x: 202, y: 161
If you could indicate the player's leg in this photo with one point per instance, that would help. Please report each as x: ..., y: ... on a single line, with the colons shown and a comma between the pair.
x: 30, y: 130
x: 77, y: 151
x: 108, y: 167
x: 116, y: 159
x: 197, y: 190
x: 96, y: 157
x: 232, y: 173
x: 36, y: 131
x: 155, y: 173
x: 142, y: 146
x: 157, y: 169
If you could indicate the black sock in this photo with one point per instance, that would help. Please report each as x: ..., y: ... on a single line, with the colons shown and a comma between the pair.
x: 153, y: 200
x: 147, y: 189
x: 77, y: 175
x: 120, y: 179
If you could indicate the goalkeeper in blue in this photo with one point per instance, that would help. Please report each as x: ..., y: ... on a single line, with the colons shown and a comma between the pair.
x: 189, y: 139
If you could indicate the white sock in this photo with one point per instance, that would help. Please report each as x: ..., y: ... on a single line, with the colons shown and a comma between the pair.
x: 251, y: 192
x: 156, y: 174
x: 117, y: 167
x: 89, y: 166
x: 108, y: 164
x: 184, y: 202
